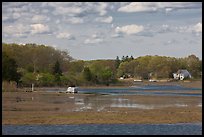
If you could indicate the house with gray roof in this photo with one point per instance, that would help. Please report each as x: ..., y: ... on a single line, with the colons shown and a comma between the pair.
x: 181, y: 74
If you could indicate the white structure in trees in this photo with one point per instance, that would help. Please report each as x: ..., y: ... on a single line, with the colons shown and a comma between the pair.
x: 181, y: 74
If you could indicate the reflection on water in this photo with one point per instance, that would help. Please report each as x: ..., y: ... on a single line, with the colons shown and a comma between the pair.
x: 105, y: 129
x: 200, y: 105
x: 103, y: 99
x: 133, y: 106
x: 105, y: 103
x: 161, y: 90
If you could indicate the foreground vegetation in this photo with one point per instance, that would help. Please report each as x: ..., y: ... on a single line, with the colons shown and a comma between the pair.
x: 45, y: 66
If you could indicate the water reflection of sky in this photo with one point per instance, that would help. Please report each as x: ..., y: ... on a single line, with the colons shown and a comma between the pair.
x: 162, y: 90
x: 145, y: 90
x: 106, y: 99
x: 107, y: 103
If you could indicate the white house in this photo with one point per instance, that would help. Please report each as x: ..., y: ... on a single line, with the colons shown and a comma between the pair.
x: 181, y: 74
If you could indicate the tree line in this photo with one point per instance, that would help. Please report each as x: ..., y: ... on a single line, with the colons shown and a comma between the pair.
x: 46, y: 66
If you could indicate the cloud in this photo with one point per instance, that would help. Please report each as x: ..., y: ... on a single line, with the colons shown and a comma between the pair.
x: 154, y: 6
x: 92, y: 41
x: 101, y: 8
x: 129, y: 29
x: 17, y: 30
x: 108, y: 19
x: 137, y: 7
x: 171, y: 42
x: 65, y: 35
x: 39, y: 18
x: 77, y: 9
x: 197, y: 28
x: 39, y: 28
x: 194, y: 29
x: 116, y: 35
x: 16, y: 15
x: 74, y: 20
x: 70, y: 11
x: 95, y: 38
x: 165, y: 28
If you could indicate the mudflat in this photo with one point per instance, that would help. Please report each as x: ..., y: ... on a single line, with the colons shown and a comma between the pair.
x: 42, y: 107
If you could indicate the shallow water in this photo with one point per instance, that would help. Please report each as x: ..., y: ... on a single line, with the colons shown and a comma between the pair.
x: 105, y: 129
x: 107, y: 102
x: 104, y: 99
x: 161, y: 90
x: 145, y: 90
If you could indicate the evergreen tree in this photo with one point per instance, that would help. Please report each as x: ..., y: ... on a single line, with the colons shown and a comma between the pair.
x: 123, y: 58
x: 117, y: 62
x: 57, y: 69
x: 126, y: 58
x: 87, y: 74
x: 131, y: 57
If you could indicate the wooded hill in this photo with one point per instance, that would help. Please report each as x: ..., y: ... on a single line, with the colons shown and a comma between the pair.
x: 47, y: 66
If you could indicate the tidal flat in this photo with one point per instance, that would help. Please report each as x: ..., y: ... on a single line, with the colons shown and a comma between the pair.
x: 41, y: 107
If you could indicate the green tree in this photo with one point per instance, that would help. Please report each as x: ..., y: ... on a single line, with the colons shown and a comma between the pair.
x: 117, y: 62
x: 46, y: 79
x: 123, y: 58
x: 127, y: 58
x: 105, y: 76
x: 28, y: 78
x: 193, y: 65
x: 131, y: 57
x: 57, y: 69
x: 9, y: 69
x: 87, y: 74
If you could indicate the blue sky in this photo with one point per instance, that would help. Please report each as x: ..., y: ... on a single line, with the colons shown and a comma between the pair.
x: 89, y: 30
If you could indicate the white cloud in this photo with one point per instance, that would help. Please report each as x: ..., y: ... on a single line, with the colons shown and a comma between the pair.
x: 102, y: 8
x: 18, y: 30
x: 4, y: 17
x: 78, y: 8
x: 16, y: 15
x: 74, y: 20
x: 116, y: 35
x: 164, y: 29
x: 129, y: 29
x: 137, y: 7
x: 39, y: 18
x: 65, y: 35
x: 197, y: 28
x: 39, y: 28
x: 171, y: 42
x: 154, y: 6
x: 108, y: 19
x: 93, y: 41
x: 95, y: 38
x: 71, y: 11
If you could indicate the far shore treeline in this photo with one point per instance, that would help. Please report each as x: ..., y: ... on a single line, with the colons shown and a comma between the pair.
x: 46, y: 66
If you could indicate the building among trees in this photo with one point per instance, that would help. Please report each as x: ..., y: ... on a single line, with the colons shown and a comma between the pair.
x: 181, y: 74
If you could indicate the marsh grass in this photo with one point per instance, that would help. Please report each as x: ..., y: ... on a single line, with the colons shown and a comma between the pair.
x: 9, y: 86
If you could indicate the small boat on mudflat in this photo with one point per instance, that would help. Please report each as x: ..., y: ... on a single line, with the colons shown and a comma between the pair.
x: 72, y: 90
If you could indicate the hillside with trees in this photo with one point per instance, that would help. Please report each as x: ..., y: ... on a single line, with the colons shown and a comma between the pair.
x: 46, y: 66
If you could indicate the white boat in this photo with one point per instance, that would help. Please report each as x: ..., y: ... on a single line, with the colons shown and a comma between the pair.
x: 72, y: 89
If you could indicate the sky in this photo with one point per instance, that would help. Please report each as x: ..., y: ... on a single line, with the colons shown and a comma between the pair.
x: 105, y: 30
